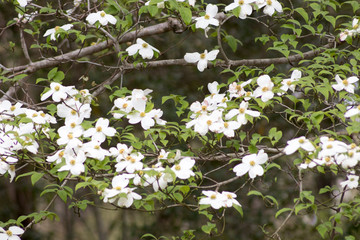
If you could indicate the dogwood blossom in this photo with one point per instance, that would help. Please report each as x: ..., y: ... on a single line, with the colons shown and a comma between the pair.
x: 13, y: 233
x: 245, y: 7
x: 183, y: 168
x: 355, y: 30
x: 296, y: 143
x: 270, y: 6
x: 127, y: 201
x: 352, y: 182
x: 241, y: 112
x: 265, y: 88
x: 53, y: 32
x: 209, y: 18
x: 58, y: 92
x: 352, y: 112
x: 288, y: 83
x: 74, y: 164
x: 131, y: 164
x: 100, y: 131
x: 251, y: 163
x: 345, y: 84
x: 145, y: 50
x: 201, y: 59
x: 237, y: 89
x: 102, y: 17
x: 23, y: 3
x: 230, y: 199
x: 215, y: 199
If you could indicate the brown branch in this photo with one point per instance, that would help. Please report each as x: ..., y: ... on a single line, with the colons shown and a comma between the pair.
x: 172, y: 24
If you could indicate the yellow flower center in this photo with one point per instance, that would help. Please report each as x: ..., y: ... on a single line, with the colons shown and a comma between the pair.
x: 307, y: 161
x: 331, y: 139
x: 9, y: 233
x: 70, y: 136
x: 72, y: 162
x: 73, y: 112
x: 329, y: 146
x: 128, y: 158
x: 145, y: 45
x: 358, y: 107
x: 241, y: 110
x: 125, y: 105
x: 204, y: 108
x: 351, y: 154
x: 209, y: 122
x: 73, y: 125
x: 12, y: 168
x: 42, y: 114
x: 202, y: 56
x: 99, y: 129
x: 238, y: 88
x: 132, y: 160
x: 252, y: 163
x: 177, y: 167
x: 265, y: 89
x: 301, y: 141
x: 353, y: 145
x: 61, y: 154
x: 12, y: 108
x: 327, y: 159
x: 229, y: 196
x: 356, y: 26
x: 102, y: 14
x: 241, y: 2
x: 248, y: 94
x: 97, y: 147
x: 268, y: 2
x: 57, y: 88
x: 121, y: 151
x: 213, y: 196
x: 142, y: 114
x: 223, y: 100
x: 288, y: 83
x: 161, y: 156
x: 118, y: 188
x: 35, y: 115
x: 226, y: 125
x: 57, y: 28
x: 345, y: 82
x: 207, y: 17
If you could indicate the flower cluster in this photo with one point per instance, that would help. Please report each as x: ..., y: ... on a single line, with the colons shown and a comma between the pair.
x: 22, y: 136
x: 246, y: 7
x: 136, y: 110
x: 328, y: 152
x: 145, y: 50
x: 218, y: 200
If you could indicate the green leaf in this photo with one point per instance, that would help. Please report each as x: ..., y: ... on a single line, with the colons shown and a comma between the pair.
x: 282, y: 211
x: 52, y: 73
x: 239, y: 209
x: 36, y: 177
x: 303, y: 13
x: 186, y: 15
x: 256, y: 193
x: 62, y: 194
x: 208, y: 228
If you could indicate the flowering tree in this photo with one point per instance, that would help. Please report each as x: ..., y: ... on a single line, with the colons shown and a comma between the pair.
x: 265, y: 131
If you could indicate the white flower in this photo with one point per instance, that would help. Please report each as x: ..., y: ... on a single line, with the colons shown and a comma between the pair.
x: 145, y: 50
x: 94, y: 150
x: 352, y: 182
x: 119, y: 183
x: 241, y: 112
x: 209, y: 18
x: 331, y: 147
x: 129, y: 199
x: 100, y: 131
x: 58, y: 92
x: 131, y: 164
x: 345, y: 84
x: 264, y: 89
x: 121, y: 151
x: 237, y: 90
x: 270, y: 6
x: 74, y: 164
x: 353, y: 111
x: 307, y: 164
x: 296, y: 143
x: 146, y: 119
x: 52, y: 32
x: 215, y: 199
x: 122, y: 104
x: 183, y: 169
x: 102, y: 17
x: 230, y: 199
x: 346, y: 33
x: 23, y: 3
x: 202, y: 59
x: 245, y: 7
x: 251, y: 163
x: 288, y: 83
x: 11, y: 234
